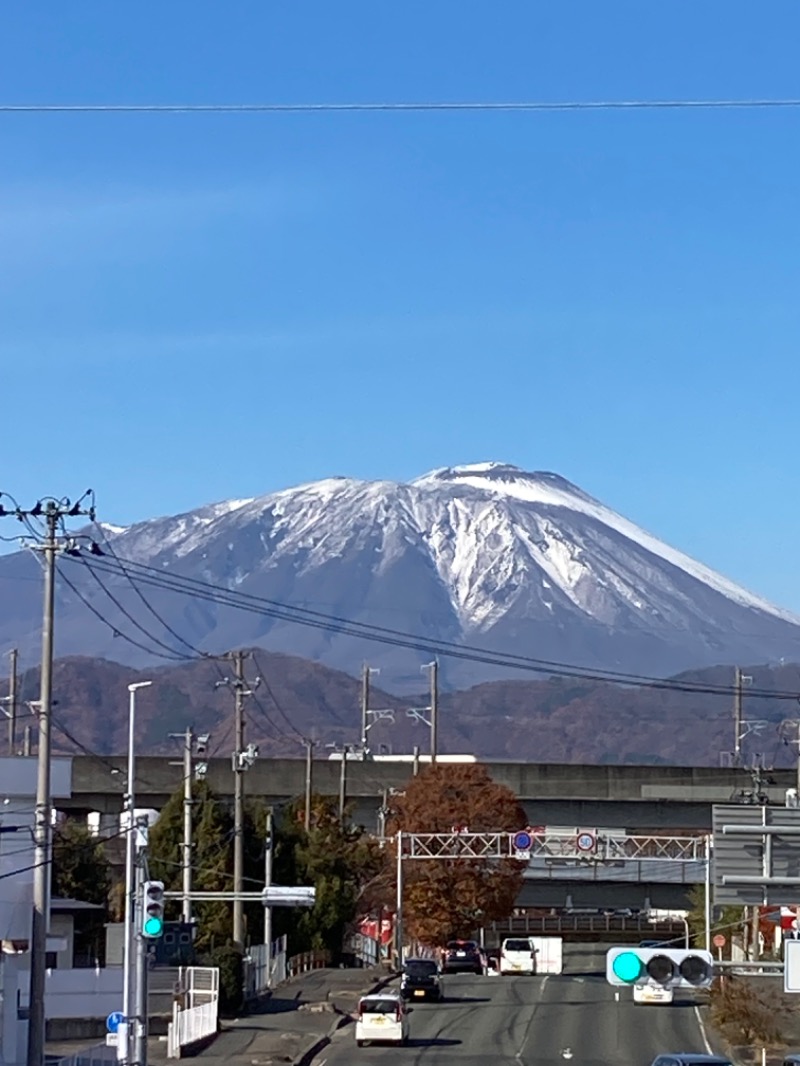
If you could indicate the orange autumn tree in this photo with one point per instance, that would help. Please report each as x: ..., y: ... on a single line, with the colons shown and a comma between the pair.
x: 445, y: 898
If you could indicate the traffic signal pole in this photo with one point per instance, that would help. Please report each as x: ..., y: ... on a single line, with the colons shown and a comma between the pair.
x: 140, y: 1007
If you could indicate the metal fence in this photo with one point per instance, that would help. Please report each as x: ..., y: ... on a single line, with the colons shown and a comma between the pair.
x: 366, y: 949
x: 195, y: 1012
x: 190, y: 1026
x: 265, y: 967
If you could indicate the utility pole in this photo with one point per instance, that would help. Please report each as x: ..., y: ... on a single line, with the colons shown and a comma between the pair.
x: 418, y: 713
x: 789, y: 731
x: 343, y: 782
x: 737, y: 717
x: 309, y: 771
x: 11, y: 701
x: 186, y: 903
x: 191, y: 746
x: 365, y: 672
x: 243, y: 759
x: 133, y: 844
x: 139, y: 1043
x: 383, y: 810
x: 434, y: 669
x: 53, y: 513
x: 268, y: 850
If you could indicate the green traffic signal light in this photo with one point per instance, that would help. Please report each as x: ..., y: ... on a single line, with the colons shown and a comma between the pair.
x: 153, y: 927
x: 627, y: 966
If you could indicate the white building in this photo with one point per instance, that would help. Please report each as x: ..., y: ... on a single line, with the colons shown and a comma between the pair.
x: 69, y: 993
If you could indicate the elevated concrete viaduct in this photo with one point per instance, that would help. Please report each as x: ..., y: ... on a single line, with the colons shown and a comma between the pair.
x: 633, y: 798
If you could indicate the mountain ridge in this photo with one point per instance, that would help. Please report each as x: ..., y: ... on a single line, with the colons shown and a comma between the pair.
x: 485, y: 554
x: 566, y: 720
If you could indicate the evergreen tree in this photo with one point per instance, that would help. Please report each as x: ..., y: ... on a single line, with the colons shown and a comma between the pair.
x: 80, y: 869
x: 212, y: 860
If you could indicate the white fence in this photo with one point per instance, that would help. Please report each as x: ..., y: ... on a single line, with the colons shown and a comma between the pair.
x: 265, y: 967
x: 190, y: 1026
x: 195, y: 1014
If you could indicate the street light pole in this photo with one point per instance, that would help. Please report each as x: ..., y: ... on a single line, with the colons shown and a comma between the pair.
x: 124, y: 1047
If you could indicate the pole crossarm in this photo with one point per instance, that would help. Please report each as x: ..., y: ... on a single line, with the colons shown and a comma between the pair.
x: 553, y: 844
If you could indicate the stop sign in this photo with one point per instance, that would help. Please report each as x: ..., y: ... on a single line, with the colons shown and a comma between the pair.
x: 719, y: 941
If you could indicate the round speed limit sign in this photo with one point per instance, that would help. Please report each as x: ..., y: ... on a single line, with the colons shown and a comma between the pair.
x: 586, y: 841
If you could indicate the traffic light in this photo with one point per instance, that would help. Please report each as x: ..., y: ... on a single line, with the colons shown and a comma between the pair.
x: 672, y: 967
x: 152, y: 909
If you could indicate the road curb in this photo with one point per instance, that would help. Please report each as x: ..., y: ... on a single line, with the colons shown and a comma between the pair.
x: 305, y: 1058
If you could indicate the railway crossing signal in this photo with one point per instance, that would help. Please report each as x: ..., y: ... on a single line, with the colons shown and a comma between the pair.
x: 673, y: 967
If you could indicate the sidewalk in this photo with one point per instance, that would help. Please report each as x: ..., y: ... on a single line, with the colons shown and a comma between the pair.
x: 299, y: 1016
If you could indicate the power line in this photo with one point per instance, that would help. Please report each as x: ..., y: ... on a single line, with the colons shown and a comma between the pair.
x: 180, y: 656
x: 398, y: 638
x: 109, y: 547
x: 116, y: 632
x: 408, y: 106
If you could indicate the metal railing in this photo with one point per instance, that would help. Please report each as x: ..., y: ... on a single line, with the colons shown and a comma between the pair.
x: 191, y: 1026
x: 265, y: 967
x: 366, y: 949
x: 195, y: 1012
x: 560, y: 924
x: 96, y: 1055
x: 306, y: 961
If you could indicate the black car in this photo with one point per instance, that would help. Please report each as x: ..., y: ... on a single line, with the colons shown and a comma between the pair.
x: 462, y: 956
x: 420, y: 980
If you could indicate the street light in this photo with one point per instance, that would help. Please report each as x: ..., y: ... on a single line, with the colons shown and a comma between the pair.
x: 125, y: 1043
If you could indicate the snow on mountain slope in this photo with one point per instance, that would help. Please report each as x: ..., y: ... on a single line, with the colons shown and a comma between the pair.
x: 526, y: 563
x: 554, y: 491
x: 499, y: 539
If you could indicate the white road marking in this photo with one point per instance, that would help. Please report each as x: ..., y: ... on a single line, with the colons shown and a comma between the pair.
x: 702, y: 1027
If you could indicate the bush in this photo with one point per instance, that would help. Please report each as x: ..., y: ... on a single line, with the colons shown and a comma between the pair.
x: 743, y: 1014
x: 231, y: 978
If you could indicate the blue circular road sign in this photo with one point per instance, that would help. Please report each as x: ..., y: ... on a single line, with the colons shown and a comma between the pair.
x: 114, y: 1021
x: 522, y: 841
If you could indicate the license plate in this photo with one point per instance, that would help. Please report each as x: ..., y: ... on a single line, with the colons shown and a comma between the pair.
x: 379, y: 1019
x: 419, y: 992
x: 460, y: 954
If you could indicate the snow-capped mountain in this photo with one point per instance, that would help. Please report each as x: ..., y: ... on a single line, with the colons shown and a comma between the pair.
x: 486, y: 555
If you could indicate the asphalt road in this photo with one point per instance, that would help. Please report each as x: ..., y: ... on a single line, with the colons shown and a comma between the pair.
x: 572, y: 1019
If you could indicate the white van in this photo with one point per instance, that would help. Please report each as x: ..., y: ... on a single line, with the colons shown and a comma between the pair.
x: 517, y: 955
x: 381, y: 1017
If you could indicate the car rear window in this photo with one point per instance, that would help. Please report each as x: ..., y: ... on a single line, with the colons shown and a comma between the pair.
x: 378, y: 1006
x: 517, y: 945
x: 421, y: 968
x: 461, y: 945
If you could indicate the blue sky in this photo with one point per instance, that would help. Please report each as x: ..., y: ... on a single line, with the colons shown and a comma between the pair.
x: 199, y: 306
